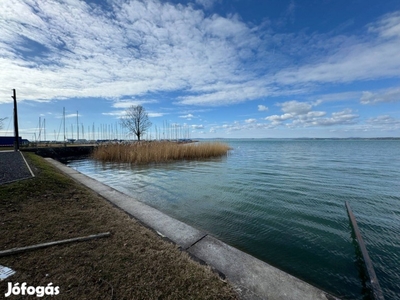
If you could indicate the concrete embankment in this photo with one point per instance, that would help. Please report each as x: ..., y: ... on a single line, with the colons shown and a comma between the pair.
x: 253, y: 278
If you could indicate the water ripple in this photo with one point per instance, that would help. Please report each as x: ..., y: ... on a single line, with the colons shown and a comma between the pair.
x: 283, y: 202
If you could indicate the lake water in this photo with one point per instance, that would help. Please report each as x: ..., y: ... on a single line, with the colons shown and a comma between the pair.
x: 283, y: 201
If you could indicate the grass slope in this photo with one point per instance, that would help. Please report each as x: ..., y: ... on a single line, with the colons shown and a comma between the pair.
x: 134, y: 263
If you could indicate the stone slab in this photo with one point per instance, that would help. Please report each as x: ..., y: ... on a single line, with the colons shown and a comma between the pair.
x: 256, y: 279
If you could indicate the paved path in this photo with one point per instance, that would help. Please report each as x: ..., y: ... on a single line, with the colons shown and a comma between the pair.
x: 13, y: 167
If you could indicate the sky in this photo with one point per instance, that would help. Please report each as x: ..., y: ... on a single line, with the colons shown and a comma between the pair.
x: 201, y: 68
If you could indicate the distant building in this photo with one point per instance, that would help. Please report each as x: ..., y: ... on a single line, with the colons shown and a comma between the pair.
x: 8, y: 141
x: 81, y: 141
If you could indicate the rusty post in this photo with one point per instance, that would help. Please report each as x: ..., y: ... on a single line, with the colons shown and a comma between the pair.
x: 376, y: 288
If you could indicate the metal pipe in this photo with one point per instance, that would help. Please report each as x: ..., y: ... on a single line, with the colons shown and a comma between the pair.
x: 376, y: 288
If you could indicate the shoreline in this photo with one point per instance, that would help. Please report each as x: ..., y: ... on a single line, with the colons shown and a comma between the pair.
x: 132, y: 263
x: 257, y: 279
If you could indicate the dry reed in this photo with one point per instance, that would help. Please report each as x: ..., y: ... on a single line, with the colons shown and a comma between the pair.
x: 158, y: 151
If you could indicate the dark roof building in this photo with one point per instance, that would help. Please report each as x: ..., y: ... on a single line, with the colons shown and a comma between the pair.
x: 8, y: 141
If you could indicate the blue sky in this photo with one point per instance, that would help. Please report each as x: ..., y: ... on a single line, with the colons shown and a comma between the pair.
x: 213, y: 68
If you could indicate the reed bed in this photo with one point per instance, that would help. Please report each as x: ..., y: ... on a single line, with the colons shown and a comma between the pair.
x: 159, y: 151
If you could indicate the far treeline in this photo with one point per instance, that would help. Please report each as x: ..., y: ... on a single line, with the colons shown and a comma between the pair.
x: 136, y: 120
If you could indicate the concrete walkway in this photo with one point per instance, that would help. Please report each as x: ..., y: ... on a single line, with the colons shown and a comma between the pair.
x: 253, y: 278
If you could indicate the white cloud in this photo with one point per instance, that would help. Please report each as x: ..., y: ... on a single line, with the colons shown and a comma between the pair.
x: 354, y: 58
x: 129, y: 103
x: 383, y: 119
x: 343, y: 117
x: 187, y: 117
x: 295, y: 107
x: 236, y: 126
x: 82, y: 52
x: 155, y: 114
x: 383, y: 122
x: 314, y: 114
x: 120, y: 113
x: 289, y: 14
x: 388, y: 26
x: 278, y: 119
x: 336, y: 97
x: 85, y: 53
x: 70, y: 116
x: 60, y: 116
x: 262, y: 108
x: 391, y: 95
x: 136, y: 49
x: 207, y: 4
x: 197, y: 126
x: 381, y: 125
x: 300, y: 114
x: 116, y: 113
x: 250, y: 121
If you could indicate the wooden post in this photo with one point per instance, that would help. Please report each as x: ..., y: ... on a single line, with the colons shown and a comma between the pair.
x: 44, y: 245
x: 376, y: 288
x: 16, y: 134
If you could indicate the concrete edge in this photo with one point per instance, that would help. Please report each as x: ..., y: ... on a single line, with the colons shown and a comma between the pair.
x: 29, y: 168
x: 15, y: 180
x: 252, y: 278
x: 166, y: 226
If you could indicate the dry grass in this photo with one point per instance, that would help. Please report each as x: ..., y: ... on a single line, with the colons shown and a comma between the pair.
x: 156, y: 152
x: 133, y: 263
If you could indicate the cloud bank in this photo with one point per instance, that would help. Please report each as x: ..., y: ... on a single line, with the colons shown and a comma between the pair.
x: 52, y: 50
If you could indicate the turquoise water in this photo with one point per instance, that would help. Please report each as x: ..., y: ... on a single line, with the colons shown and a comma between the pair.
x: 283, y: 201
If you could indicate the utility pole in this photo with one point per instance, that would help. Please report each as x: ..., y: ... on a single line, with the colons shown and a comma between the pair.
x: 16, y: 141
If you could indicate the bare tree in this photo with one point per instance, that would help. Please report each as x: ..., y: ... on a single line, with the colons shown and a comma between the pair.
x: 136, y: 120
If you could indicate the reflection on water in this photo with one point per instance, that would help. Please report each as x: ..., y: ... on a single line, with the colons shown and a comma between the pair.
x: 283, y: 202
